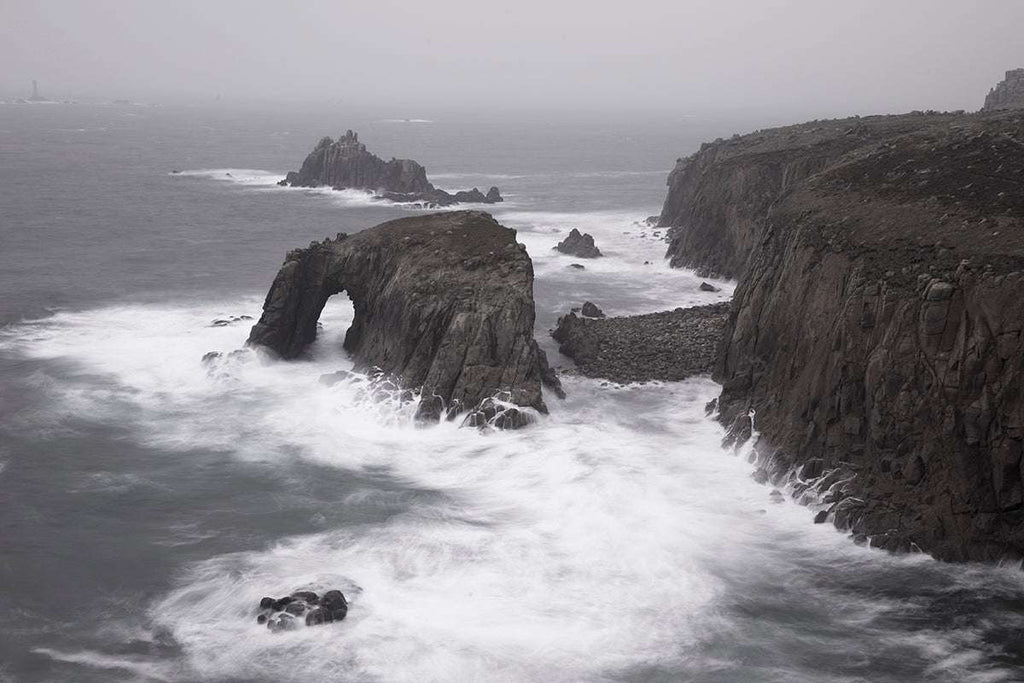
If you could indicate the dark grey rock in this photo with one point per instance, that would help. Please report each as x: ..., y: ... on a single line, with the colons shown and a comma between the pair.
x: 443, y: 302
x: 590, y: 310
x: 580, y: 245
x: 671, y: 345
x: 345, y: 163
x: 877, y: 326
x: 708, y: 287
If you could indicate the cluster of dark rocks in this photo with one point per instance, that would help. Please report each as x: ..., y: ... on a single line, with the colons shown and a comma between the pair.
x: 231, y: 320
x: 345, y: 163
x: 302, y: 607
x: 671, y: 345
x: 580, y: 245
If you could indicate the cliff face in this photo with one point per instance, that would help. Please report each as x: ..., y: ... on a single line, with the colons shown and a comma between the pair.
x: 1008, y: 94
x: 719, y: 196
x: 877, y: 335
x: 443, y: 303
x: 346, y: 163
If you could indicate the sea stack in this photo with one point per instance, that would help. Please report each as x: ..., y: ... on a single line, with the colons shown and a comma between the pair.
x: 345, y: 163
x: 443, y: 304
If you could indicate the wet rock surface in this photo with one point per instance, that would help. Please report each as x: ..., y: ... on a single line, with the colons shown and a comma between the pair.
x: 302, y: 608
x: 877, y: 336
x: 671, y: 345
x: 580, y: 245
x: 345, y: 163
x: 443, y: 303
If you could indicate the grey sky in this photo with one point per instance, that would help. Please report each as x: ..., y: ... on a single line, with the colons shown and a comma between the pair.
x: 811, y: 56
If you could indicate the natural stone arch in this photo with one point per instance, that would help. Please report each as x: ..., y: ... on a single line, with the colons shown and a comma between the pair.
x: 443, y: 303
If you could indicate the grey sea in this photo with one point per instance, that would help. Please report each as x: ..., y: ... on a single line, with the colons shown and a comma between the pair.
x: 147, y: 503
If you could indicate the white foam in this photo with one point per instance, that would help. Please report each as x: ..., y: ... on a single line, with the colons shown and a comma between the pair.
x: 613, y: 534
x: 633, y: 265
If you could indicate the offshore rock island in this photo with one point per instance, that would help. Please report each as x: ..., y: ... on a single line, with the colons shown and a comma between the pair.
x: 345, y: 163
x: 443, y: 304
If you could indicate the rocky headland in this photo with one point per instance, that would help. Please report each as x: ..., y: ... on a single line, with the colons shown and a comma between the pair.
x: 875, y: 338
x: 345, y: 163
x: 443, y: 305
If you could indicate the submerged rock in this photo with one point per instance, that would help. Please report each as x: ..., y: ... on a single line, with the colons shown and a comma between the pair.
x: 580, y: 245
x: 345, y: 163
x: 443, y: 303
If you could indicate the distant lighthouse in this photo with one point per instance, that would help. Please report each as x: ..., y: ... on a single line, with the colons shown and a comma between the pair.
x: 36, y: 97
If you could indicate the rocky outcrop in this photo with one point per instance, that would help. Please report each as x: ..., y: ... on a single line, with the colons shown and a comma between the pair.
x: 1008, y: 93
x: 580, y: 245
x: 671, y: 345
x: 302, y: 608
x: 443, y: 304
x: 876, y: 334
x: 345, y: 163
x: 718, y: 197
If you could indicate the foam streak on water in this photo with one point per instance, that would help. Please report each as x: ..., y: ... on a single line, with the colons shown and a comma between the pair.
x: 613, y: 540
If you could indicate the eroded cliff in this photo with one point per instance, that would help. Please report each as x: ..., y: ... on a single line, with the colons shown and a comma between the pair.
x: 877, y: 334
x: 719, y: 196
x: 443, y: 303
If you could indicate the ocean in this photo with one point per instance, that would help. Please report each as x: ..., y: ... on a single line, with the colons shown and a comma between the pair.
x: 148, y: 501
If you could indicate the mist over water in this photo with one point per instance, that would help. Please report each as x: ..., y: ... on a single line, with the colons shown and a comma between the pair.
x: 149, y: 500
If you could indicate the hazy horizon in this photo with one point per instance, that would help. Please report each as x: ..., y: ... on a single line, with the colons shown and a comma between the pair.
x: 789, y: 57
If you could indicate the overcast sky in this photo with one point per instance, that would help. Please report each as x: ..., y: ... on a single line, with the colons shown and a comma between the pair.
x: 810, y: 56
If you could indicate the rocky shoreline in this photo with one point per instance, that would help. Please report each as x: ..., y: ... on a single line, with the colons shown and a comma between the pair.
x: 876, y: 333
x: 670, y: 346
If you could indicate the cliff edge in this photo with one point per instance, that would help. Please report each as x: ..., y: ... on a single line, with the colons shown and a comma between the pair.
x: 876, y: 335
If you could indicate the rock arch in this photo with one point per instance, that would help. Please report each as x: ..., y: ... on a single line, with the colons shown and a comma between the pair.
x: 443, y: 303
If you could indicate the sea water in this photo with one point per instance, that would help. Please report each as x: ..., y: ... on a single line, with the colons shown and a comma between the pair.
x: 149, y: 500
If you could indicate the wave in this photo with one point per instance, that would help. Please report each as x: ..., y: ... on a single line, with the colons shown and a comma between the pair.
x: 405, y: 121
x: 631, y: 277
x: 611, y: 537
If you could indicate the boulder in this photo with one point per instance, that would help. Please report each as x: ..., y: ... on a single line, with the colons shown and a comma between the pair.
x: 579, y: 244
x: 443, y: 304
x: 590, y: 310
x: 291, y: 611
